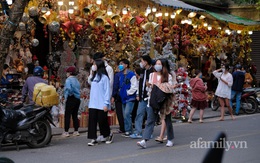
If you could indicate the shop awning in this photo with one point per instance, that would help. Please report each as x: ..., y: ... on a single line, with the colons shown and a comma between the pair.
x: 235, y: 22
x: 178, y: 5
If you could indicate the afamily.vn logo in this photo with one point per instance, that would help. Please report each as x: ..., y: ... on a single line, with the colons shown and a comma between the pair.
x: 227, y: 145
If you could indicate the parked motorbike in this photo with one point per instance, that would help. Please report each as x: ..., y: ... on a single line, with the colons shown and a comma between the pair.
x: 29, y: 125
x: 248, y: 102
x: 256, y: 95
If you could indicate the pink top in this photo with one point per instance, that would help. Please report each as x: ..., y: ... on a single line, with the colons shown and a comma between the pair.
x: 198, y: 89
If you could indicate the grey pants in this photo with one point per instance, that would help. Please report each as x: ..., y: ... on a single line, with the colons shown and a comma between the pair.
x: 150, y: 122
x: 169, y: 127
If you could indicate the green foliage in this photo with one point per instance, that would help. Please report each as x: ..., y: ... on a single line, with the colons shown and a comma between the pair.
x: 258, y: 5
x: 249, y: 2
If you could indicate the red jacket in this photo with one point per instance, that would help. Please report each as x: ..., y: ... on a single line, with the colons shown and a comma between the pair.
x: 198, y: 89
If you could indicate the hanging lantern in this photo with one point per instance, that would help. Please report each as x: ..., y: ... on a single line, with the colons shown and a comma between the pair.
x: 99, y: 2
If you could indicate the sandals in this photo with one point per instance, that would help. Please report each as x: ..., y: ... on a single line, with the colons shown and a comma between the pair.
x: 159, y: 139
x: 189, y: 121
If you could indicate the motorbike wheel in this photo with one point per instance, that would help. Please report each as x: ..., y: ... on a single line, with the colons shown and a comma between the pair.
x: 43, y: 137
x: 214, y: 105
x: 251, y: 106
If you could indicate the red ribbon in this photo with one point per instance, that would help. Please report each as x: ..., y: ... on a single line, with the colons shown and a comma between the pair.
x: 71, y: 25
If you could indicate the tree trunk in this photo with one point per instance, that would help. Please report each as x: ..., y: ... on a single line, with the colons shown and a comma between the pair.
x: 7, y: 33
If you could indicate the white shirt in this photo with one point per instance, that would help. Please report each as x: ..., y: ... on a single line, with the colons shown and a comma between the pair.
x: 223, y: 90
x: 110, y: 73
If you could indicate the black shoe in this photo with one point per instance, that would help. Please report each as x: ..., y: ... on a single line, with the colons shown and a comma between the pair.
x: 126, y: 134
x: 237, y: 114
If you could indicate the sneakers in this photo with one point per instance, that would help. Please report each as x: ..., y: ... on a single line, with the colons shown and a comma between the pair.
x: 110, y: 139
x: 135, y: 136
x: 169, y: 143
x: 65, y: 134
x: 101, y: 139
x: 142, y: 144
x: 75, y: 133
x: 126, y: 134
x: 93, y: 142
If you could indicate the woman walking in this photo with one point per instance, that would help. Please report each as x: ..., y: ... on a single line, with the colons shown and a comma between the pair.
x: 72, y: 98
x: 99, y: 103
x: 225, y: 82
x: 160, y: 82
x: 199, y: 97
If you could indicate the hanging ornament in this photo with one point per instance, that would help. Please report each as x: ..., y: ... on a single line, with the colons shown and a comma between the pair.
x: 21, y: 26
x: 35, y: 42
x: 54, y: 26
x: 33, y: 11
x: 25, y: 17
x: 45, y: 32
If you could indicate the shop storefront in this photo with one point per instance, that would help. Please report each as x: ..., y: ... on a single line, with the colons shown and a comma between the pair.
x: 59, y: 33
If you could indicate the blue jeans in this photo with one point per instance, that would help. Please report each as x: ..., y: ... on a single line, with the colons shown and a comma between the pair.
x: 238, y: 99
x: 142, y: 105
x: 150, y: 122
x: 127, y: 112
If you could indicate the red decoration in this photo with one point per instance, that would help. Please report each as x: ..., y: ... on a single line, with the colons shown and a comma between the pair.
x: 34, y: 58
x: 139, y: 19
x: 45, y: 68
x: 71, y: 25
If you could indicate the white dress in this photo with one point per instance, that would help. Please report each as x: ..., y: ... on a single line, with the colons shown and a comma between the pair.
x: 223, y: 90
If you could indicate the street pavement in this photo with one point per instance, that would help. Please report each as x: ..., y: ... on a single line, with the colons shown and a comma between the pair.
x: 208, y: 113
x: 243, y: 134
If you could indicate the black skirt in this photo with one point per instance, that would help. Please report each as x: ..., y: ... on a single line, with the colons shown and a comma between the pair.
x: 199, y: 104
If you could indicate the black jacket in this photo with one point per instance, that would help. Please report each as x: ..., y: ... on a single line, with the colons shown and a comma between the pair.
x: 142, y: 95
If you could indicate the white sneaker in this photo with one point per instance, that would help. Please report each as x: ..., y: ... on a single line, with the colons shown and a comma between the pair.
x: 142, y: 144
x: 65, y: 134
x: 76, y: 133
x: 101, y: 138
x: 169, y: 143
x: 110, y: 138
x: 93, y: 142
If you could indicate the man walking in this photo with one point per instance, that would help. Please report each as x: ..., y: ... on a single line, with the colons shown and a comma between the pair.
x: 237, y: 87
x: 145, y: 64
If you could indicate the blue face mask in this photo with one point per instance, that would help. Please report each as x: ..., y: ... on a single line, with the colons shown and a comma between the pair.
x: 201, y: 76
x: 120, y: 67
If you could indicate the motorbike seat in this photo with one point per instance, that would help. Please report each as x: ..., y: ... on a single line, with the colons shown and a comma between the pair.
x: 251, y: 90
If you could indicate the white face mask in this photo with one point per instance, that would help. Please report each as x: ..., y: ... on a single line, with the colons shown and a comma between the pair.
x: 141, y: 64
x: 94, y: 68
x: 26, y: 69
x: 223, y: 69
x: 68, y: 74
x: 158, y: 68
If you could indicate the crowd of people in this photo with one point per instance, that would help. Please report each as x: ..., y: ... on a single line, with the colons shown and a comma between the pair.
x: 151, y: 86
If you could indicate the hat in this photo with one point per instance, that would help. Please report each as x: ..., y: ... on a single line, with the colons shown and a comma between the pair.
x: 98, y: 55
x: 71, y: 69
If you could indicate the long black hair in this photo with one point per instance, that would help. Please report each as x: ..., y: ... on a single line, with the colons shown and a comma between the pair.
x: 165, y: 70
x: 101, y: 70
